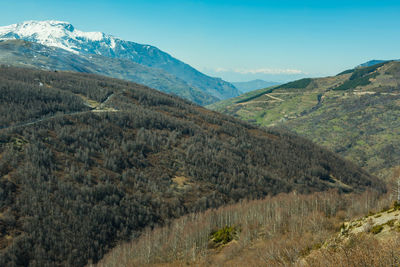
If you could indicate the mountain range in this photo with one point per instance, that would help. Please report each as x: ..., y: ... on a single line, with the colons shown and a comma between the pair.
x: 27, y: 54
x: 355, y: 113
x: 89, y: 51
x: 94, y: 161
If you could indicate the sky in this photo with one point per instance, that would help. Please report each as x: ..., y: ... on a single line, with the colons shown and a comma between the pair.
x: 277, y: 40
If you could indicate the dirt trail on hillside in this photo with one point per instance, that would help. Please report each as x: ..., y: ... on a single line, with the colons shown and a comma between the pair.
x: 97, y: 109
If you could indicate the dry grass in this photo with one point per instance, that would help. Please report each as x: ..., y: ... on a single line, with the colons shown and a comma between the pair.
x: 277, y: 231
x: 89, y: 102
x: 181, y: 181
x: 360, y: 250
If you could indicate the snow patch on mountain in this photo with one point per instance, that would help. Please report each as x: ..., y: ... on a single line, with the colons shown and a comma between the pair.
x: 55, y: 33
x: 63, y: 35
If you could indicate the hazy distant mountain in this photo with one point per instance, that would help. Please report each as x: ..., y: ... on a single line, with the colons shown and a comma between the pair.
x: 371, y: 63
x: 27, y: 54
x: 245, y: 87
x: 374, y: 62
x: 63, y: 35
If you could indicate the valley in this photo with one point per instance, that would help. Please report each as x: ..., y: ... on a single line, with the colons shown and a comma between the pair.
x: 355, y: 113
x: 69, y: 163
x: 199, y: 133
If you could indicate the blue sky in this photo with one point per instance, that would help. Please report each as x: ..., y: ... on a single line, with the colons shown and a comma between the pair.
x: 239, y: 40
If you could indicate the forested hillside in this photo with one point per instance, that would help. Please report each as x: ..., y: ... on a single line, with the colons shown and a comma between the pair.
x: 355, y: 113
x: 283, y: 230
x: 87, y: 161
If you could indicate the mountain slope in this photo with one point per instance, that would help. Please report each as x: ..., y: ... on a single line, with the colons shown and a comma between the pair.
x: 86, y: 161
x: 63, y: 35
x: 356, y: 113
x: 284, y: 230
x: 359, y: 240
x: 27, y: 54
x: 246, y: 87
x: 372, y: 62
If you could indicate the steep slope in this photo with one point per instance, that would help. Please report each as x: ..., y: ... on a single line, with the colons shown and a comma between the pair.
x: 64, y: 35
x: 372, y: 240
x: 284, y: 230
x: 246, y: 87
x: 356, y: 113
x: 22, y: 53
x: 86, y: 161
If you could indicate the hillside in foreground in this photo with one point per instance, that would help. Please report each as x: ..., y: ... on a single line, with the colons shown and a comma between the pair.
x: 284, y: 230
x: 87, y: 161
x: 356, y: 113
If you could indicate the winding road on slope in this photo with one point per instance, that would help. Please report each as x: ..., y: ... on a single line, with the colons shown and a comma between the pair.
x: 99, y: 108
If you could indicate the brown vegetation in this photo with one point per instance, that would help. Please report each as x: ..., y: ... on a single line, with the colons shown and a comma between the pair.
x: 74, y: 183
x: 360, y: 250
x: 277, y: 231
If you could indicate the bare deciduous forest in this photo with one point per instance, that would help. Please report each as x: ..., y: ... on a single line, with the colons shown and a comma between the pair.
x: 283, y: 230
x: 87, y: 162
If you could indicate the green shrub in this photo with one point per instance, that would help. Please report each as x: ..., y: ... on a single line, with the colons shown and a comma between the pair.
x: 391, y: 222
x: 224, y: 235
x: 376, y: 229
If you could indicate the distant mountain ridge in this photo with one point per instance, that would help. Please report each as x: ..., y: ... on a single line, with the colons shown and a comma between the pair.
x: 355, y: 113
x: 245, y: 87
x: 22, y: 53
x: 64, y: 35
x: 374, y: 62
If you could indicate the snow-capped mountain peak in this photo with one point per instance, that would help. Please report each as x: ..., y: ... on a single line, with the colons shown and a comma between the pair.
x: 63, y: 35
x: 55, y: 33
